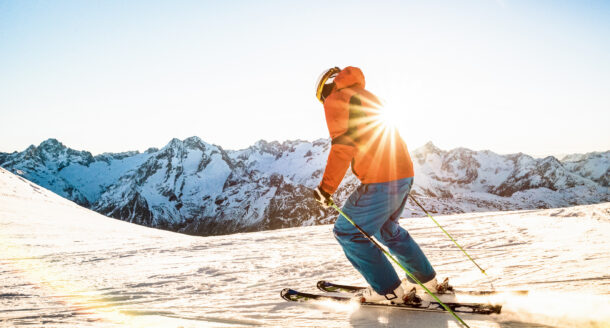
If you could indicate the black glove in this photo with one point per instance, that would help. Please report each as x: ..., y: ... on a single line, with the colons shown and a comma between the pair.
x: 323, y: 198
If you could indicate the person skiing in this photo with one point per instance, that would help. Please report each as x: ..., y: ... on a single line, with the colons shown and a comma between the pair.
x: 381, y: 161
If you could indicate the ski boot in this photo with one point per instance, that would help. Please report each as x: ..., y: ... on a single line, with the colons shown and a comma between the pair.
x: 433, y: 285
x: 398, y: 296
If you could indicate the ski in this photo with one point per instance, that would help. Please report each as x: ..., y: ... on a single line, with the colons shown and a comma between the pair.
x: 474, y: 308
x: 326, y: 286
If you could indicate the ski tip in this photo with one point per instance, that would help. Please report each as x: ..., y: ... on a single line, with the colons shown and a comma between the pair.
x: 286, y: 293
x: 322, y: 285
x: 496, y: 309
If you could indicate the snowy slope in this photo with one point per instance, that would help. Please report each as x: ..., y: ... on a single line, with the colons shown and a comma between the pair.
x: 65, y: 266
x: 198, y: 188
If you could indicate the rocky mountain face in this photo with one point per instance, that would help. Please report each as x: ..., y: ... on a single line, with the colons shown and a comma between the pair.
x: 194, y: 187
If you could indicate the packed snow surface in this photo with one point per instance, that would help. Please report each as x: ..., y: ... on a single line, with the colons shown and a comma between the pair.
x: 64, y: 265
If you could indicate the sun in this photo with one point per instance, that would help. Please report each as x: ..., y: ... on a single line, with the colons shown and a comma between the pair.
x: 389, y: 116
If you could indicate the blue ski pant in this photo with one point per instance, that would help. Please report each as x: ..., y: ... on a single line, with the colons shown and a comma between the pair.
x: 376, y: 208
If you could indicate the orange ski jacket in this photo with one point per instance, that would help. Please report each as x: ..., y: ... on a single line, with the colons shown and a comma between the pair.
x: 375, y: 151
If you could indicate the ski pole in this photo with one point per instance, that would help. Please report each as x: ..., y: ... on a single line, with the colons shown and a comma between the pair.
x: 400, y: 265
x: 448, y: 235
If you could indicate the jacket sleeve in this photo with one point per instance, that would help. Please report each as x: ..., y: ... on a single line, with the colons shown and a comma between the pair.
x: 343, y: 148
x: 339, y: 160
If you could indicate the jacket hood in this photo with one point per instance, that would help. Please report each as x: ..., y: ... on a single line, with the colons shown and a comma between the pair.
x: 349, y: 77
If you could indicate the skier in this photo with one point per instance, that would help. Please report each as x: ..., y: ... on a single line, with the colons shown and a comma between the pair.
x: 380, y: 159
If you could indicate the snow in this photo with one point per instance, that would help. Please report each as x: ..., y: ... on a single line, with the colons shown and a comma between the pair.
x: 91, y: 180
x: 592, y: 165
x: 150, y: 190
x: 64, y: 266
x: 213, y: 177
x: 495, y: 171
x: 297, y: 165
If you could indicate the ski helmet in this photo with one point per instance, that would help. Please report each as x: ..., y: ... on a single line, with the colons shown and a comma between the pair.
x: 326, y: 83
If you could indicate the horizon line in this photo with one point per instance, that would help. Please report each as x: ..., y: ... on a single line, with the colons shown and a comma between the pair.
x: 538, y: 156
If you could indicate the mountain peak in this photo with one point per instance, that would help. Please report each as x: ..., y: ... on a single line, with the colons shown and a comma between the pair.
x: 174, y: 143
x: 195, y: 142
x: 177, y: 145
x: 261, y: 143
x: 51, y: 145
x: 429, y: 147
x: 193, y: 139
x: 50, y: 142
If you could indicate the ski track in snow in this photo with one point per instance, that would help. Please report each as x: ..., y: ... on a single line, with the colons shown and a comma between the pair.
x: 63, y: 265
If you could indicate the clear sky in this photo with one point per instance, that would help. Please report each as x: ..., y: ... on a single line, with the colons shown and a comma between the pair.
x: 109, y: 76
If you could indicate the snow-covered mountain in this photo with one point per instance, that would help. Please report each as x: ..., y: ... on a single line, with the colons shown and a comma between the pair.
x: 76, y: 175
x: 462, y: 180
x: 198, y: 188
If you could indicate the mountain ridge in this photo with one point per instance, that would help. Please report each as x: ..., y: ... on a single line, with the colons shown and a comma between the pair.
x: 199, y: 188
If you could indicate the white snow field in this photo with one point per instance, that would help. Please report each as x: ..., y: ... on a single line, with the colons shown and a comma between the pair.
x: 62, y: 265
